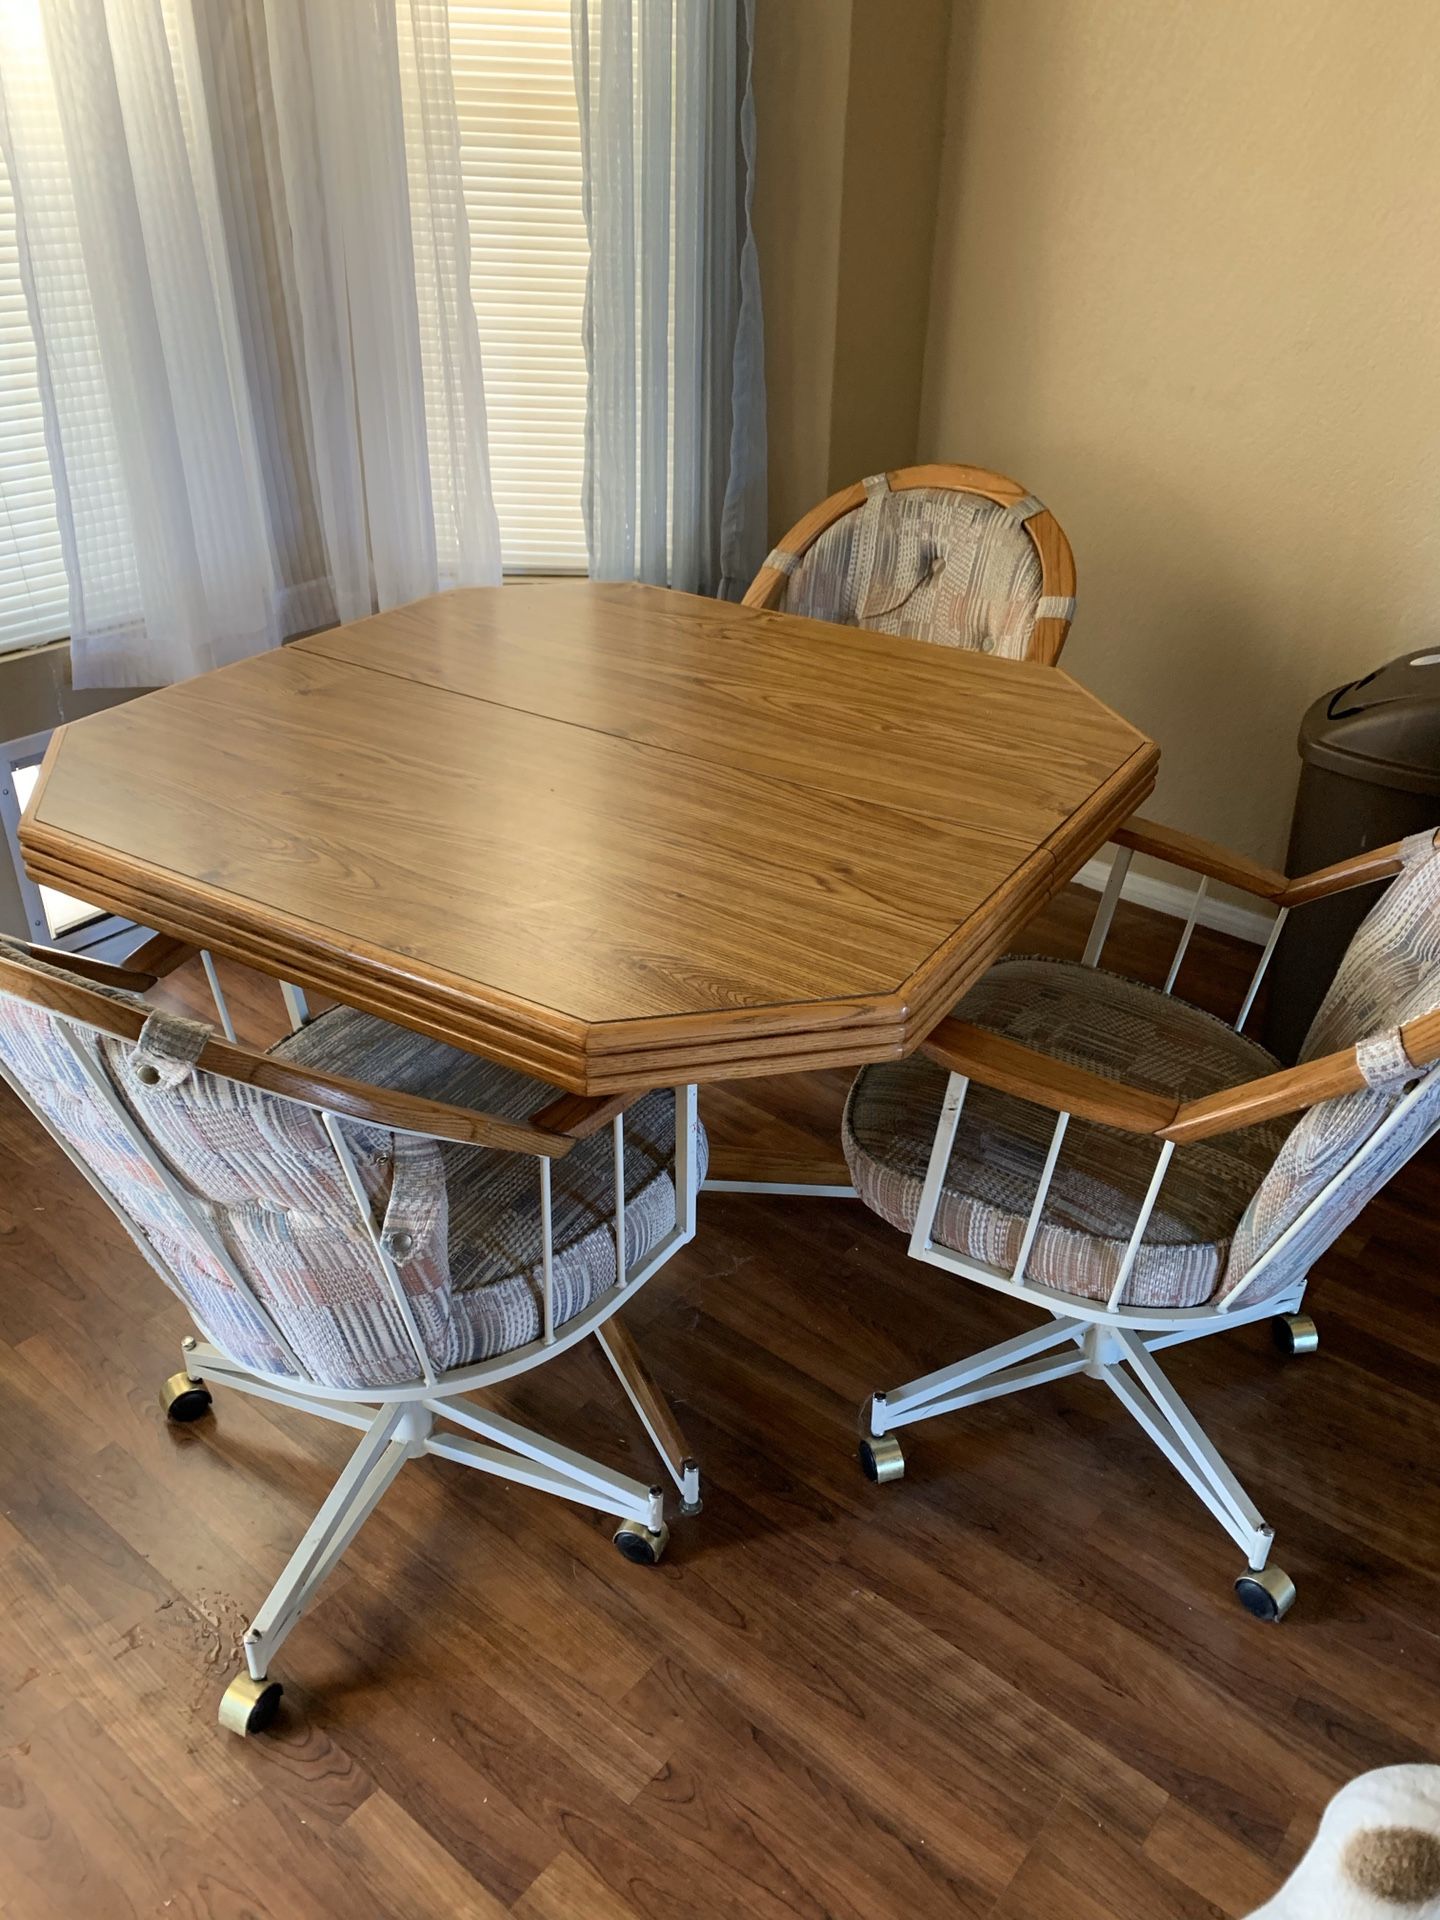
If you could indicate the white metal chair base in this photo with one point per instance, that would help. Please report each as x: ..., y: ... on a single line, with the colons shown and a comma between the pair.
x: 1123, y: 1358
x: 403, y: 1428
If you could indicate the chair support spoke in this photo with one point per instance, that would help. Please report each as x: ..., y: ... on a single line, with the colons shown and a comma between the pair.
x: 387, y: 1445
x: 1033, y: 1373
x: 1185, y: 1444
x: 919, y: 1399
x: 1060, y: 1349
x: 529, y: 1459
x: 1198, y: 1444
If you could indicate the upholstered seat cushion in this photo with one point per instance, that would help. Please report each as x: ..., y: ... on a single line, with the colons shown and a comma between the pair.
x: 1112, y: 1026
x: 493, y: 1197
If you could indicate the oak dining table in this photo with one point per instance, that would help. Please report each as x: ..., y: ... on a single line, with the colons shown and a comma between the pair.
x: 615, y: 836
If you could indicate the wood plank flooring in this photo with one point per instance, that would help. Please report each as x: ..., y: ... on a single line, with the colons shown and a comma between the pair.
x: 1016, y: 1684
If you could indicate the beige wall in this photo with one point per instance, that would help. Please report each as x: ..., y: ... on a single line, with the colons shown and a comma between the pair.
x: 1187, y: 287
x: 849, y: 98
x: 894, y: 120
x: 802, y: 78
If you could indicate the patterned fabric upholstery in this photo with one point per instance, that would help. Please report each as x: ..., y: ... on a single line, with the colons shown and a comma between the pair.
x: 1390, y: 975
x: 261, y: 1175
x: 494, y: 1198
x: 33, y: 1051
x: 1111, y: 1026
x: 932, y: 562
x: 1225, y: 1201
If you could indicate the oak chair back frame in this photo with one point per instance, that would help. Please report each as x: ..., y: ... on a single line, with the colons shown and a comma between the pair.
x: 1057, y: 562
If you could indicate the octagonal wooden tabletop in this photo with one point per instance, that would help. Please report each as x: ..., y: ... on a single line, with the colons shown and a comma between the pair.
x: 611, y: 834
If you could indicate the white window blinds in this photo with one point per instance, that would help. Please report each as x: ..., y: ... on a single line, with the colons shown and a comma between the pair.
x: 34, y: 600
x: 520, y: 151
x: 520, y: 140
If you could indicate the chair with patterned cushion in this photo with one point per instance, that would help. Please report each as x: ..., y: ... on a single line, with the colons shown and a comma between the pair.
x: 369, y: 1226
x: 1136, y: 1169
x: 956, y: 555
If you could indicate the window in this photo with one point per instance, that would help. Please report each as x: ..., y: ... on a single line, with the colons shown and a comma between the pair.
x: 520, y: 153
x: 520, y: 158
x: 52, y: 918
x: 63, y: 913
x: 34, y: 599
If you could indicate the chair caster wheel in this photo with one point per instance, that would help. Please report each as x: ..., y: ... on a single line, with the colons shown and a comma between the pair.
x: 1268, y: 1593
x: 641, y: 1544
x: 184, y: 1399
x: 1295, y: 1333
x: 248, y: 1706
x: 881, y: 1459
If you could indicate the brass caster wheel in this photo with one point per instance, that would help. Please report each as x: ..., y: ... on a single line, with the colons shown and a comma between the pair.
x: 184, y: 1399
x: 881, y: 1459
x: 248, y: 1706
x: 641, y: 1544
x: 1295, y: 1333
x: 1268, y: 1593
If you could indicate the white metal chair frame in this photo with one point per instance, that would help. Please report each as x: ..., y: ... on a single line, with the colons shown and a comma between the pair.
x: 398, y: 1422
x: 1108, y: 1340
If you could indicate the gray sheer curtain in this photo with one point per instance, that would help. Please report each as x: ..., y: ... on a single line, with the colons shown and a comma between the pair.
x: 674, y: 488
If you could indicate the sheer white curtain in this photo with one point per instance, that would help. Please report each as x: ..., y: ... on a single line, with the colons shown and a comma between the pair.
x: 246, y: 262
x: 154, y: 466
x: 369, y: 160
x: 675, y: 428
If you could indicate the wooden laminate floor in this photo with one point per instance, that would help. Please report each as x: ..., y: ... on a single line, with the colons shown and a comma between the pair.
x: 1015, y: 1684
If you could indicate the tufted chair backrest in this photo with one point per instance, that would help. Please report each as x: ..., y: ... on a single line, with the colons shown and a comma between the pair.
x: 1389, y: 976
x: 981, y: 566
x: 226, y: 1188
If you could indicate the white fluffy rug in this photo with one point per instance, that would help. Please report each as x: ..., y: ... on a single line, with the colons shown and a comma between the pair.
x: 1375, y: 1857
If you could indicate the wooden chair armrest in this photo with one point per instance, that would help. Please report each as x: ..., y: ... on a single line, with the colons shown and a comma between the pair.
x: 1235, y: 870
x: 383, y: 1106
x: 1379, y: 864
x: 1292, y: 1088
x: 101, y: 972
x: 352, y: 1099
x: 1011, y: 1068
x: 1266, y: 1098
x: 579, y: 1116
x: 162, y: 953
x: 1201, y: 856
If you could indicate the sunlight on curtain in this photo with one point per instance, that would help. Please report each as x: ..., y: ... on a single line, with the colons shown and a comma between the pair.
x: 34, y: 596
x: 156, y: 485
x: 247, y: 257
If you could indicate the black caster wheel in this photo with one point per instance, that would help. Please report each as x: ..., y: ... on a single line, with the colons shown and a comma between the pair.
x: 639, y: 1544
x: 1268, y: 1593
x: 880, y: 1458
x: 249, y: 1706
x: 1295, y: 1333
x: 184, y: 1399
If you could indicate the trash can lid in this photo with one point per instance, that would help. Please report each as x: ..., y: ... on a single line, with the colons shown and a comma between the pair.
x: 1384, y: 727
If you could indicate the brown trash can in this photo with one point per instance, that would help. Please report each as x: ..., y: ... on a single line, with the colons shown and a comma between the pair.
x: 1370, y: 773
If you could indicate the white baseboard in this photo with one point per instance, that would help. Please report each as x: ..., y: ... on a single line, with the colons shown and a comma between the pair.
x: 1174, y: 897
